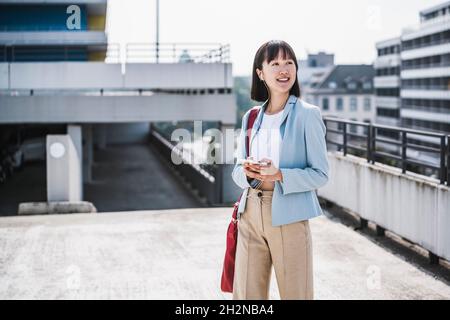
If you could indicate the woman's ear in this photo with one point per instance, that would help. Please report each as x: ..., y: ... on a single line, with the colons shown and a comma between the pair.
x: 260, y: 75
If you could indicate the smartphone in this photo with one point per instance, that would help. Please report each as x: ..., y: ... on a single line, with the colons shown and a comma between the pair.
x: 251, y: 161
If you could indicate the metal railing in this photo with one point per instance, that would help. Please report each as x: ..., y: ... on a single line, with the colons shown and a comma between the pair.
x: 177, y: 52
x: 373, y: 152
x: 126, y: 53
x: 206, y: 178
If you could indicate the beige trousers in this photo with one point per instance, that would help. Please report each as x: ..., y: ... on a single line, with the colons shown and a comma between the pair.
x: 260, y: 245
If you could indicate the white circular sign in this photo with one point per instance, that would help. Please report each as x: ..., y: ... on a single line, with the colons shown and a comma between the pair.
x: 57, y: 150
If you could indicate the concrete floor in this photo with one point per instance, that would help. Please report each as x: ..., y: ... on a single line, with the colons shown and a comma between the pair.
x: 178, y: 254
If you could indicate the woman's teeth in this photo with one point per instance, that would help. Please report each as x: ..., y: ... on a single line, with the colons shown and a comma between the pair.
x: 283, y: 79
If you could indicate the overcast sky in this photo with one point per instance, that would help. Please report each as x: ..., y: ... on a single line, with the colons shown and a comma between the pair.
x: 347, y: 28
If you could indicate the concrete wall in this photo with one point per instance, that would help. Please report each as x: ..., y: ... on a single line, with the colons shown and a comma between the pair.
x: 100, y: 75
x: 412, y: 206
x: 117, y: 133
x: 107, y: 109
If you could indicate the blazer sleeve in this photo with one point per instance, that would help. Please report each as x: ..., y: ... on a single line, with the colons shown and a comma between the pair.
x: 315, y: 174
x: 238, y: 174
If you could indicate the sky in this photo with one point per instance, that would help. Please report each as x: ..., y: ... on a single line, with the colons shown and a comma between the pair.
x: 347, y: 28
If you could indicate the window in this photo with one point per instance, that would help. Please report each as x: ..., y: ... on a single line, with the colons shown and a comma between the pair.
x: 325, y: 104
x: 351, y: 85
x: 332, y: 85
x: 353, y: 104
x: 339, y: 104
x: 367, y: 105
x: 367, y: 85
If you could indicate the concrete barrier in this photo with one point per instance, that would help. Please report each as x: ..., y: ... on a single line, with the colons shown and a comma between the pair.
x: 413, y: 206
x: 56, y: 207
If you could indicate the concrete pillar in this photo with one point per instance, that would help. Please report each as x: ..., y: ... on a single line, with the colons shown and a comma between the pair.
x: 64, y: 175
x: 88, y: 152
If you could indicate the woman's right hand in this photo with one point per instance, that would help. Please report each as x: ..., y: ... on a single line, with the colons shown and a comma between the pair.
x: 252, y: 170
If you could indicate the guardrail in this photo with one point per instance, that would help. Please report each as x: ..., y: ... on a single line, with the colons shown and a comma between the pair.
x: 205, y: 178
x: 177, y: 52
x: 125, y: 53
x: 372, y: 153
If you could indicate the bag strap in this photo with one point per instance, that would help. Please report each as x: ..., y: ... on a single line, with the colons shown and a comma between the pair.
x: 250, y: 121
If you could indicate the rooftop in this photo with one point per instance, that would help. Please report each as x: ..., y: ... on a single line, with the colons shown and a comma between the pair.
x: 348, y: 79
x: 178, y: 254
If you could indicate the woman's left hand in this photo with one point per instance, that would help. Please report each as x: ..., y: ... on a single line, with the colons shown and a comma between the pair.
x: 269, y: 172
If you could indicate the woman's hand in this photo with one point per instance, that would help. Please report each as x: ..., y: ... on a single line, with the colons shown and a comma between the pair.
x: 270, y: 172
x: 263, y: 173
x: 252, y: 170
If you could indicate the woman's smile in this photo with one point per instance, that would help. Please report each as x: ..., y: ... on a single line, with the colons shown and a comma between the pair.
x: 284, y: 80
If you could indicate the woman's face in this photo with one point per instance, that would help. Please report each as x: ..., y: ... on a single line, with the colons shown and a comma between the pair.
x: 279, y: 74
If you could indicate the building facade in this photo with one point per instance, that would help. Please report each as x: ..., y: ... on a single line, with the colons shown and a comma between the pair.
x: 55, y: 30
x: 387, y: 85
x: 425, y: 73
x: 346, y: 92
x: 413, y: 78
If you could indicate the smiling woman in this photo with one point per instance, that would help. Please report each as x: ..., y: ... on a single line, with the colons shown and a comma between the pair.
x: 273, y: 212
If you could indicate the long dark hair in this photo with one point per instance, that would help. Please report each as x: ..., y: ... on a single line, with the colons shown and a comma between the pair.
x: 268, y: 52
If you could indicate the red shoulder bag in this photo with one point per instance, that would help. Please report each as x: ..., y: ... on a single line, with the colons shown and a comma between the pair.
x: 232, y: 232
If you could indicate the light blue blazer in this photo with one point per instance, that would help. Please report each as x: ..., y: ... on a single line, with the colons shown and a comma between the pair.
x: 303, y: 162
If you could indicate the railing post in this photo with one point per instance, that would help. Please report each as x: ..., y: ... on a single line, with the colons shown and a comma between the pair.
x: 219, y: 182
x: 442, y: 170
x: 404, y: 142
x: 174, y: 50
x: 374, y: 141
x: 448, y: 160
x: 345, y: 138
x: 369, y: 143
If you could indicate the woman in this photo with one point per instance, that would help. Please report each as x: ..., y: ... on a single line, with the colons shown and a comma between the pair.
x: 279, y: 196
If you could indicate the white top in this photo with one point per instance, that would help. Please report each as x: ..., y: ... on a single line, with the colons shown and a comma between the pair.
x: 267, y: 141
